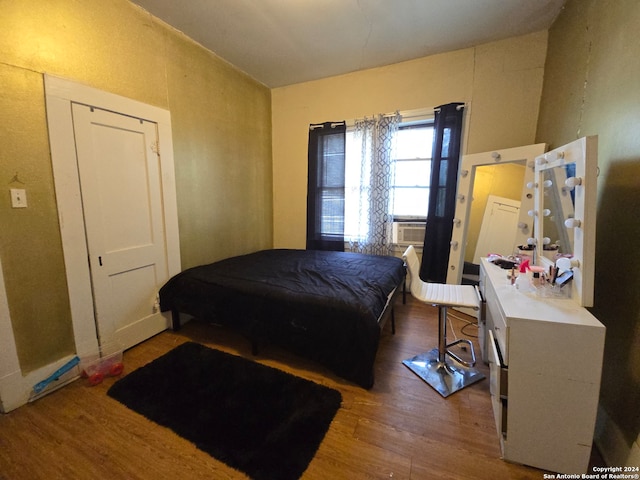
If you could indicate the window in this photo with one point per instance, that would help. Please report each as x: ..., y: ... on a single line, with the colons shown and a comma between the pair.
x: 325, y: 198
x: 411, y: 174
x: 412, y: 171
x: 358, y: 179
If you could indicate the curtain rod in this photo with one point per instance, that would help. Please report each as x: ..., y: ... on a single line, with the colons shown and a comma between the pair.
x: 416, y: 113
x: 313, y: 126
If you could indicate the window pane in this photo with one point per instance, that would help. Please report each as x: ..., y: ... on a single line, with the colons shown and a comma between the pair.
x: 333, y: 161
x: 414, y: 142
x: 446, y: 137
x: 411, y: 202
x: 413, y: 173
x: 444, y: 168
x: 332, y: 207
x: 333, y: 174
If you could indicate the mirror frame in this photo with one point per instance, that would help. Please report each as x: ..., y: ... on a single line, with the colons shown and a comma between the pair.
x: 584, y: 153
x: 464, y: 197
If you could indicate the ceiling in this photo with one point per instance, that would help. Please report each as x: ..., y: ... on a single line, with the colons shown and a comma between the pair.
x: 282, y: 42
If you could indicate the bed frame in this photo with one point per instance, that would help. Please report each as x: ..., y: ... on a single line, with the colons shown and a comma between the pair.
x: 340, y: 331
x: 387, y: 314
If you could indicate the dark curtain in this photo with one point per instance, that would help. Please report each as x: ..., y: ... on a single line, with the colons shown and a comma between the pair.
x: 325, y: 186
x: 442, y: 192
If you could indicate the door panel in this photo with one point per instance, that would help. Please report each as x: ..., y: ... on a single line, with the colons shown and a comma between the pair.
x: 122, y: 203
x: 499, y: 228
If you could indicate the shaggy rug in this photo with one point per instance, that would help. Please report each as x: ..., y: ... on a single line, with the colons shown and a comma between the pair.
x: 256, y: 419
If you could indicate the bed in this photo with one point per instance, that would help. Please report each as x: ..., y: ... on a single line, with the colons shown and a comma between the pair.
x: 329, y: 307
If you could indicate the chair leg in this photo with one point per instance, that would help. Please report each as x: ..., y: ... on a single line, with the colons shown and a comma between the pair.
x: 442, y: 333
x: 443, y: 346
x: 433, y: 368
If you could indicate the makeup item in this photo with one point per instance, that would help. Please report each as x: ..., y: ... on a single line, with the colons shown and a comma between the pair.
x: 522, y: 282
x: 536, y: 279
x: 564, y: 278
x: 537, y: 272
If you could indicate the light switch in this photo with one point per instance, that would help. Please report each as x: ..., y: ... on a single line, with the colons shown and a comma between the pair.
x: 18, y: 198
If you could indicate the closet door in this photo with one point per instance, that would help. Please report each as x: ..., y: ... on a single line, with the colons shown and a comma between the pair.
x: 121, y: 190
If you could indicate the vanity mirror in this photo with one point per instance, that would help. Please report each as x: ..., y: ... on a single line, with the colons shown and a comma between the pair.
x: 558, y: 201
x: 565, y: 209
x: 467, y: 224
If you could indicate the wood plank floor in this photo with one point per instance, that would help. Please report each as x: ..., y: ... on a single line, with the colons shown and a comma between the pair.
x: 400, y: 429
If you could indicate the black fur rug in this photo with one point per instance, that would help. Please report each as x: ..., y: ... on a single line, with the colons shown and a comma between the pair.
x: 256, y: 419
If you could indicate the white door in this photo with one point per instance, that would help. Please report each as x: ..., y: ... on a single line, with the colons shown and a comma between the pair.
x: 499, y: 227
x: 122, y: 202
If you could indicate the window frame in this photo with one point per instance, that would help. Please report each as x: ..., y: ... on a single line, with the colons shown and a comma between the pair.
x: 414, y: 124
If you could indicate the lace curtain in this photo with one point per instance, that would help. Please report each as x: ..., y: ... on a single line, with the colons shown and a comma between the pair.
x: 369, y: 194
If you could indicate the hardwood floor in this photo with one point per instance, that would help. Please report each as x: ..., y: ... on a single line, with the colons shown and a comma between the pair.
x: 400, y: 429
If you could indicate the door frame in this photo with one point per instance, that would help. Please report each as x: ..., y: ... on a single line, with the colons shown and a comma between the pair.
x: 59, y: 95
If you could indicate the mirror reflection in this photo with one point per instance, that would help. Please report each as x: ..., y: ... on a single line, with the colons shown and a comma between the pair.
x: 559, y: 205
x: 493, y: 220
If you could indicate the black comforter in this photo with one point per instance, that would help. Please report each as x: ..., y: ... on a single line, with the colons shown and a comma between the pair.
x: 321, y: 305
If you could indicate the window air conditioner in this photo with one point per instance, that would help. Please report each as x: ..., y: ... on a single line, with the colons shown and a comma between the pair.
x: 408, y: 233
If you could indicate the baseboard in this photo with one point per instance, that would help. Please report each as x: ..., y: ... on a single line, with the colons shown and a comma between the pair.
x: 17, y: 390
x: 614, y: 448
x: 11, y: 396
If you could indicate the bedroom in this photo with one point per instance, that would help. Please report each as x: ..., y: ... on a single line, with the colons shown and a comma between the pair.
x: 588, y: 61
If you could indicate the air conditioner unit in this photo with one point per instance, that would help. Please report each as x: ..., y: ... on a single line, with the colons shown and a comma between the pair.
x: 408, y: 233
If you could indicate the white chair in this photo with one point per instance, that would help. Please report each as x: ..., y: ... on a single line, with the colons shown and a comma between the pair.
x: 445, y: 377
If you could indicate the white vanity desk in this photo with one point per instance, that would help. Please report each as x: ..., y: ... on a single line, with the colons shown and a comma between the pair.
x: 546, y: 364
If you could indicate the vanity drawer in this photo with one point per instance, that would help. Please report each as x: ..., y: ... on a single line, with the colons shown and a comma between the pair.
x: 498, y: 385
x: 499, y: 373
x: 496, y: 321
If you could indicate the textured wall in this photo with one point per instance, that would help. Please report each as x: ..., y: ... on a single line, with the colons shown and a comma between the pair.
x: 591, y: 88
x: 500, y: 81
x: 221, y: 122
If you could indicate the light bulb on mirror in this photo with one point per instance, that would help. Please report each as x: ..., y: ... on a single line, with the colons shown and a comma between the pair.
x: 531, y: 185
x: 546, y: 241
x: 532, y: 213
x: 572, y: 223
x: 572, y: 182
x: 546, y: 212
x: 547, y: 183
x: 531, y: 241
x: 551, y: 157
x: 565, y: 263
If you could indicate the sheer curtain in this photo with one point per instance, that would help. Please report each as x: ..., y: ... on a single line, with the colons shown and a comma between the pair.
x: 369, y: 192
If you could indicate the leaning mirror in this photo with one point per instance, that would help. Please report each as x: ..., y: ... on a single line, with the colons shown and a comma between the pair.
x: 564, y: 212
x: 474, y: 198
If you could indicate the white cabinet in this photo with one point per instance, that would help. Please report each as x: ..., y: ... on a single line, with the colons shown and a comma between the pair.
x: 545, y: 360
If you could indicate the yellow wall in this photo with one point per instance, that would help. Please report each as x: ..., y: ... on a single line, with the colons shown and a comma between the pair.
x: 500, y: 81
x: 221, y: 122
x: 592, y: 88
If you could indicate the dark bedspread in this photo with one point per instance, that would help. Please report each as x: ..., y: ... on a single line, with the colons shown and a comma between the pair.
x: 321, y: 305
